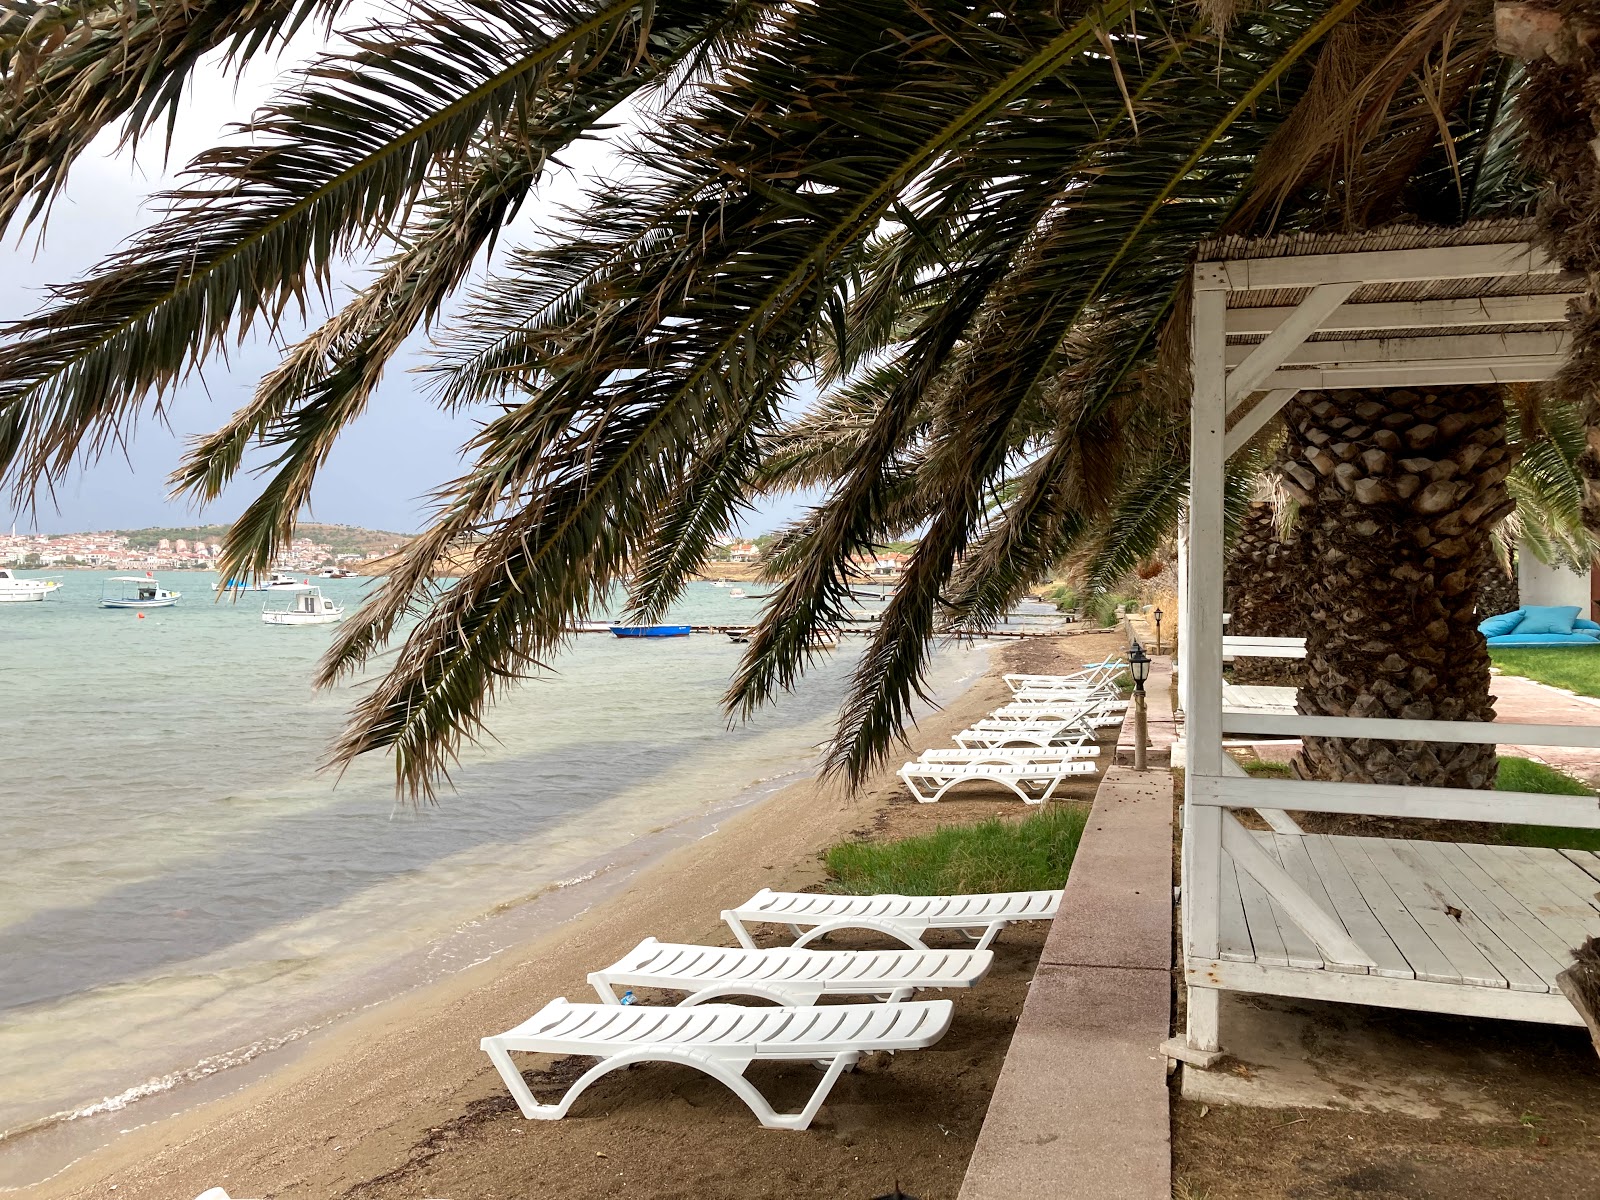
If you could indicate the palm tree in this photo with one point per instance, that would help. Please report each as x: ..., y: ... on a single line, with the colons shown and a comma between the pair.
x: 983, y: 210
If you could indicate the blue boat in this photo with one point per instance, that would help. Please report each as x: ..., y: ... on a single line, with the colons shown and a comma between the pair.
x: 632, y: 631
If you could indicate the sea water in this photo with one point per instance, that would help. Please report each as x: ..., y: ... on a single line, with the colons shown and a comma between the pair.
x: 182, y: 890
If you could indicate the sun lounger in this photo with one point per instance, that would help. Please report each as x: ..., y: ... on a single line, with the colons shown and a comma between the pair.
x: 1092, y: 675
x: 1058, y: 700
x: 1046, y: 735
x: 904, y: 918
x: 1010, y: 754
x: 1082, y: 714
x: 788, y: 976
x: 1034, y: 783
x: 722, y: 1040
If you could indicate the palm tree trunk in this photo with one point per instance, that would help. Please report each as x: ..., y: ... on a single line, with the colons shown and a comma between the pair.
x: 1399, y: 492
x: 1261, y: 588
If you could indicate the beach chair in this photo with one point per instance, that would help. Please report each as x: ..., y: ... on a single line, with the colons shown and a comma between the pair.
x: 1092, y: 714
x: 1046, y: 735
x: 787, y: 976
x: 905, y: 918
x: 721, y: 1040
x: 1034, y: 783
x: 1010, y: 754
x: 1092, y: 675
x: 1058, y: 701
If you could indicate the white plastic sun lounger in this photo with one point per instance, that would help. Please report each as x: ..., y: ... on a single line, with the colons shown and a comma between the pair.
x: 1092, y: 675
x: 1034, y: 783
x: 721, y: 1040
x: 1051, y: 735
x: 788, y: 976
x: 905, y: 918
x: 1053, y: 701
x: 1010, y: 754
x: 1080, y: 714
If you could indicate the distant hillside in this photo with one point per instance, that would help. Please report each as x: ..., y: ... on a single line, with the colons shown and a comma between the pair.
x: 342, y: 539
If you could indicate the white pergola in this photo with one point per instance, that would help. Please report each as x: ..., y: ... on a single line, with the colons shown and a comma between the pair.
x: 1430, y: 926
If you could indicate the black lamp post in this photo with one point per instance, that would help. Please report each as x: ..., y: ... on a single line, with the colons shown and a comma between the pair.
x: 1139, y: 668
x: 1157, y: 615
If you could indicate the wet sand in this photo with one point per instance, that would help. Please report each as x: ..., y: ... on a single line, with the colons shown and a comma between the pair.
x: 399, y: 1101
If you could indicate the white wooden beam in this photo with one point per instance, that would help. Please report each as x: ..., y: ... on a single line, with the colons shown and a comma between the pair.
x: 1256, y: 415
x: 1336, y: 945
x: 1444, y: 348
x: 1259, y: 361
x: 1389, y: 800
x: 1377, y: 266
x: 1200, y: 642
x: 1416, y: 995
x: 1505, y: 733
x: 1278, y: 820
x: 1415, y: 314
x: 1434, y: 374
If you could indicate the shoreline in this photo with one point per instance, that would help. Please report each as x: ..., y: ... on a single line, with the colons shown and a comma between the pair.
x: 353, y: 1100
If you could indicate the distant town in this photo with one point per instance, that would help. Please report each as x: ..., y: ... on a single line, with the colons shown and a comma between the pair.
x: 196, y: 548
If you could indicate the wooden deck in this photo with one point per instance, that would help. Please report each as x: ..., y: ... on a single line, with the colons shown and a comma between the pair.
x: 1258, y: 698
x: 1430, y: 913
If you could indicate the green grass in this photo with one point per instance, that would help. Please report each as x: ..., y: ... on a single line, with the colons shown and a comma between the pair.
x: 989, y: 856
x: 1261, y: 768
x: 1576, y: 668
x: 1525, y: 775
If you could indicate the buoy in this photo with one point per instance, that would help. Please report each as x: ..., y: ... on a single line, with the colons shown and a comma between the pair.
x: 140, y: 616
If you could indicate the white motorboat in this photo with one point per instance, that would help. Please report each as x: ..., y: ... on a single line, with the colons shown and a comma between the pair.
x: 278, y: 581
x: 16, y: 591
x: 136, y: 591
x: 310, y: 607
x: 333, y: 573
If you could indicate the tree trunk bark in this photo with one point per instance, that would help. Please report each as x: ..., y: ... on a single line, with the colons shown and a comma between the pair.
x: 1399, y: 492
x: 1498, y: 591
x: 1261, y: 588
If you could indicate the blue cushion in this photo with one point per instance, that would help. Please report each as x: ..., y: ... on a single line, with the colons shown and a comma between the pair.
x: 1580, y: 623
x: 1548, y: 618
x: 1498, y: 626
x: 1578, y: 637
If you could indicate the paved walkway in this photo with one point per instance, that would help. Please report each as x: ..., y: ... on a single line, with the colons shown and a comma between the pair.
x: 1081, y: 1107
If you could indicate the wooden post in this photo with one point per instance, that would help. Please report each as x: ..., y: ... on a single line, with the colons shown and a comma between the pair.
x: 1200, y: 645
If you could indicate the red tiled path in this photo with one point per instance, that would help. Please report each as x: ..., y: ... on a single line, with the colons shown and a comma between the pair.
x: 1524, y: 701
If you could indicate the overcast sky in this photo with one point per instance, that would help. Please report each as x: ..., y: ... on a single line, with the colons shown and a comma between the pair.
x: 388, y: 462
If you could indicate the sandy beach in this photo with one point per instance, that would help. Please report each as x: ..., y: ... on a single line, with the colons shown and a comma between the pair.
x: 399, y: 1101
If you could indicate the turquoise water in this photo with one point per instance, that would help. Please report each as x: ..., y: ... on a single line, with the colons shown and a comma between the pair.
x: 181, y: 889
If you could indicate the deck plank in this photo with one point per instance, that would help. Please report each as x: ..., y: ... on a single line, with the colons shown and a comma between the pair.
x: 1534, y: 942
x: 1427, y: 960
x: 1233, y: 931
x: 1586, y: 860
x: 1290, y: 851
x: 1297, y: 944
x: 1567, y: 873
x: 1353, y: 911
x: 1479, y: 921
x: 1553, y: 905
x: 1424, y: 901
x: 1264, y: 935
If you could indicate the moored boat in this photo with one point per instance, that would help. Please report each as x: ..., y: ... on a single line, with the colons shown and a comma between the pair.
x: 136, y: 591
x: 17, y: 591
x: 310, y: 607
x: 650, y: 631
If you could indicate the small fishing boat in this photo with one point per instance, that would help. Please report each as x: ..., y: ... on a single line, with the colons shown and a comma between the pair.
x: 333, y: 573
x: 17, y: 591
x: 721, y: 583
x: 650, y: 631
x: 738, y: 637
x: 135, y: 591
x: 310, y: 607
